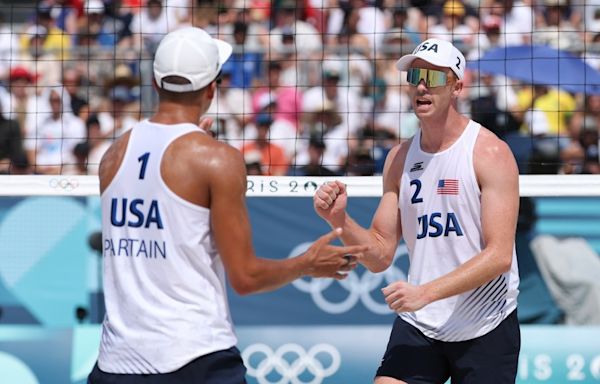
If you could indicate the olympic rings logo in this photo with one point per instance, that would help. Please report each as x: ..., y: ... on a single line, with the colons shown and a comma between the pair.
x: 359, y: 288
x: 64, y: 184
x: 289, y: 362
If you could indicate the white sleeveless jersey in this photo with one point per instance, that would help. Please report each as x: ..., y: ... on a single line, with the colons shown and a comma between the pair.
x: 441, y: 225
x: 164, y: 282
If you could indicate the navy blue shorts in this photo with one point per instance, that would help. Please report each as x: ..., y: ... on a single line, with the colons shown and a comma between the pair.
x: 417, y: 359
x: 222, y: 367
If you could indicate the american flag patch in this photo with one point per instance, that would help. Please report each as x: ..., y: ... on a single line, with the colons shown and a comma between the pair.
x: 447, y: 187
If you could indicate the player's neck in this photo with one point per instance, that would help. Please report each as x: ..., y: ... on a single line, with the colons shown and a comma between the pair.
x: 174, y: 113
x: 440, y: 132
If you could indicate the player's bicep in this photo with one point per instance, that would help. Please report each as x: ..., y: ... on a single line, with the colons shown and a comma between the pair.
x: 229, y: 215
x: 499, y: 182
x: 386, y: 221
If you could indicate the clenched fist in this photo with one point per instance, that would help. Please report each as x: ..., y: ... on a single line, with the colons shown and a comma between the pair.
x: 330, y: 202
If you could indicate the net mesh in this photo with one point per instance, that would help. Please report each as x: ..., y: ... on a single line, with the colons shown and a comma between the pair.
x: 319, y: 74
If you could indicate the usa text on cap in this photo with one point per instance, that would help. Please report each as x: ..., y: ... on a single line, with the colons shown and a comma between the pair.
x: 437, y: 52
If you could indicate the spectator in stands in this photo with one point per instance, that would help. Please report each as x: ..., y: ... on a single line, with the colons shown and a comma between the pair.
x: 314, y: 165
x: 96, y: 145
x: 282, y: 132
x: 489, y: 37
x: 391, y: 111
x: 346, y: 100
x: 360, y: 162
x: 39, y: 60
x: 66, y: 12
x: 359, y: 17
x: 452, y: 28
x: 400, y: 24
x: 97, y: 26
x: 353, y: 60
x: 12, y: 155
x: 350, y: 37
x: 287, y: 15
x: 232, y: 107
x: 119, y: 109
x: 289, y: 99
x: 50, y: 146
x: 9, y: 48
x: 254, y: 13
x: 205, y: 16
x: 243, y: 66
x: 71, y: 80
x: 588, y: 15
x: 544, y: 113
x: 556, y: 30
x: 150, y: 25
x: 253, y: 165
x: 586, y: 116
x: 551, y: 108
x: 295, y: 67
x: 326, y: 123
x: 518, y: 20
x: 581, y: 155
x: 273, y: 160
x: 117, y: 20
x: 178, y: 12
x: 20, y: 102
x: 57, y: 42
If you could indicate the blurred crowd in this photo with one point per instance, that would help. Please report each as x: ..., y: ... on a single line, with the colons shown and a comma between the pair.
x: 311, y: 88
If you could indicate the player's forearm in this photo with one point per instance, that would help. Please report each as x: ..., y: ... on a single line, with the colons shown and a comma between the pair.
x: 267, y: 275
x: 474, y: 273
x: 376, y: 259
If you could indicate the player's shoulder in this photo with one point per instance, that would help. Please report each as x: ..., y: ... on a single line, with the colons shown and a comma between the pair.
x: 489, y: 145
x: 208, y: 154
x: 112, y: 159
x: 397, y: 155
x: 492, y: 153
x: 394, y: 163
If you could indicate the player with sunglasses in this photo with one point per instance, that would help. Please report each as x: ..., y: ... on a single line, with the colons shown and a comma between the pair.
x: 451, y: 193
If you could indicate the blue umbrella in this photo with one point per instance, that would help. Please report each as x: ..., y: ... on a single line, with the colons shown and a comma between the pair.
x: 540, y: 65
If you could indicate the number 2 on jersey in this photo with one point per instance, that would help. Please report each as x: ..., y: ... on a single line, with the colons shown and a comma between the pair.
x: 415, y: 199
x: 144, y: 160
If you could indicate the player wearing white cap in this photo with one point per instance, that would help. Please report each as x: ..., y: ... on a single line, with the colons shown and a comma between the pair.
x: 451, y: 192
x: 174, y: 221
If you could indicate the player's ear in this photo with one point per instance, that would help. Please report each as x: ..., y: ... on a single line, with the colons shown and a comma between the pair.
x: 211, y: 90
x: 457, y: 87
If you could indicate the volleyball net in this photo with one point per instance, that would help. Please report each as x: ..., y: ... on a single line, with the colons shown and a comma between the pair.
x: 313, y: 330
x: 315, y: 79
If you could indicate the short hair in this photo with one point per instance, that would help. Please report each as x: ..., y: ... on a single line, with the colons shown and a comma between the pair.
x: 177, y: 96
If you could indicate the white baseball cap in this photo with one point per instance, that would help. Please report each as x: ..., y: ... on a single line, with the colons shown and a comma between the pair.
x: 437, y: 52
x: 192, y: 54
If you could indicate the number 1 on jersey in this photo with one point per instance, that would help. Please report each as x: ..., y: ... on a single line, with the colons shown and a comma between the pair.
x: 144, y: 160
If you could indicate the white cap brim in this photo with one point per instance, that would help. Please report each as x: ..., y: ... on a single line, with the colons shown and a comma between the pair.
x: 225, y: 50
x: 405, y: 61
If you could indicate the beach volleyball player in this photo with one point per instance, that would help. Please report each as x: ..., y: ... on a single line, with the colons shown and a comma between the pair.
x: 174, y: 223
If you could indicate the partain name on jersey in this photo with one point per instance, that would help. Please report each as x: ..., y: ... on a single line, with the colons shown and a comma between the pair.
x: 135, y: 213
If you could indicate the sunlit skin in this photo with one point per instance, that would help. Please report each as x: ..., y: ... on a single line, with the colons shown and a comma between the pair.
x: 436, y: 109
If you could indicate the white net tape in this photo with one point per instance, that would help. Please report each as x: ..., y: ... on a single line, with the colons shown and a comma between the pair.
x: 530, y: 185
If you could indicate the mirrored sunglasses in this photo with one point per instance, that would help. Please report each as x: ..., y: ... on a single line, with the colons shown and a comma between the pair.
x: 431, y: 77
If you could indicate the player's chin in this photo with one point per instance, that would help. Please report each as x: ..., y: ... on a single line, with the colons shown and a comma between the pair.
x: 341, y: 275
